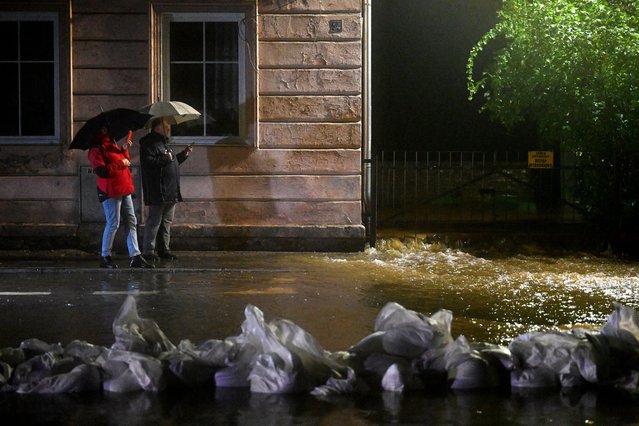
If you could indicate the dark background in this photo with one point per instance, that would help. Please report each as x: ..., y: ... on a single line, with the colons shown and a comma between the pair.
x: 420, y: 99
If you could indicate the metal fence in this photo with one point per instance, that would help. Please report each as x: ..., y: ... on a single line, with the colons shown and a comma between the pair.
x: 416, y: 188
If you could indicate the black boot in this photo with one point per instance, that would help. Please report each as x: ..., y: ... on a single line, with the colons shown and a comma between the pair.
x: 107, y: 262
x: 138, y: 261
x: 168, y: 255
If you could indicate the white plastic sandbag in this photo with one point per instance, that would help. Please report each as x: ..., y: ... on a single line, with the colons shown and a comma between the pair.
x: 84, y: 351
x: 336, y: 386
x: 622, y: 333
x: 406, y: 333
x: 392, y: 380
x: 212, y: 352
x: 239, y: 360
x: 53, y: 372
x: 82, y: 378
x: 288, y: 358
x: 475, y: 366
x: 546, y: 359
x: 317, y: 364
x: 36, y: 346
x: 127, y: 371
x: 275, y: 368
x: 35, y: 368
x: 136, y: 334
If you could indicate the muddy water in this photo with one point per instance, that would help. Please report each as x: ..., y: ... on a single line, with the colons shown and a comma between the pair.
x: 496, y: 299
x: 333, y: 296
x: 492, y: 299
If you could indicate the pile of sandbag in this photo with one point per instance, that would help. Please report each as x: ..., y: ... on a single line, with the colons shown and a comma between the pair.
x: 275, y: 357
x: 406, y: 351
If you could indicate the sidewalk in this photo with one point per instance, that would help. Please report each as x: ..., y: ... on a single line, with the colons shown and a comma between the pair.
x: 60, y: 261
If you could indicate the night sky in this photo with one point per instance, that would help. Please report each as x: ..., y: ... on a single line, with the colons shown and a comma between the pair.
x: 420, y: 100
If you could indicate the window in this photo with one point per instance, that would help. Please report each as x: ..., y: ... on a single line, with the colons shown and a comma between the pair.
x: 204, y: 65
x: 29, y: 78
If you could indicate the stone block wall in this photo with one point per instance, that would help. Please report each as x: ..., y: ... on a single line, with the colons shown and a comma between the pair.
x: 300, y: 187
x: 297, y: 188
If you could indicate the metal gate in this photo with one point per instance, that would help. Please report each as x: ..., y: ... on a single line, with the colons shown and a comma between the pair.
x: 426, y: 188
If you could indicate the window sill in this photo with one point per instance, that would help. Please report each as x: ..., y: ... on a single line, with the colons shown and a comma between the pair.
x: 29, y: 140
x: 212, y: 141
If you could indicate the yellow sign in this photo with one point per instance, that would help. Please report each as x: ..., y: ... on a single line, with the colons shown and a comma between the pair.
x: 540, y: 160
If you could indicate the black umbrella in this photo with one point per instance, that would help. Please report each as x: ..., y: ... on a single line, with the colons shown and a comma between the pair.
x: 118, y: 122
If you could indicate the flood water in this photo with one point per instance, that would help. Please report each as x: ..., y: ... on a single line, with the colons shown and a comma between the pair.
x: 335, y: 297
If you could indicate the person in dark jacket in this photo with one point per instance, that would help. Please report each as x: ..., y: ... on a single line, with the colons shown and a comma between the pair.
x: 161, y: 187
x: 111, y: 164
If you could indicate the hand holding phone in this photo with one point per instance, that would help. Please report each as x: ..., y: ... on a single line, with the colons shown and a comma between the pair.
x: 128, y: 141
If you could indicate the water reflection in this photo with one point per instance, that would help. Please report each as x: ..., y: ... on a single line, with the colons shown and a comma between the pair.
x: 228, y: 406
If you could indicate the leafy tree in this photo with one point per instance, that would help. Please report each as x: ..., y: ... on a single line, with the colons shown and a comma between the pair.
x: 571, y: 67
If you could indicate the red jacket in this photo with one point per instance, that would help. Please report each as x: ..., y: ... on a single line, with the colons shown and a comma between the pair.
x: 114, y: 178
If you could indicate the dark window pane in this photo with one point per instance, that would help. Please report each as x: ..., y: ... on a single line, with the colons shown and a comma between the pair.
x: 187, y: 86
x: 186, y: 41
x: 9, y: 37
x: 36, y: 41
x: 9, y: 104
x: 37, y: 100
x: 222, y: 100
x: 221, y: 41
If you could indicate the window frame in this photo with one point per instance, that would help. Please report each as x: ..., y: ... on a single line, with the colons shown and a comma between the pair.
x: 53, y: 139
x: 244, y: 115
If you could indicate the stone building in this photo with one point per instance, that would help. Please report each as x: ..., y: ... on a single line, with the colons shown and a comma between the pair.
x: 279, y: 159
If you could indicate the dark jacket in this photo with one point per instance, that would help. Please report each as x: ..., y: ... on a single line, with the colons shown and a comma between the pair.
x: 160, y: 175
x: 114, y: 178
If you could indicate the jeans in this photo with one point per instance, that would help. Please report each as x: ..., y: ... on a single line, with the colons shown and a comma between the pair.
x: 113, y: 208
x: 158, y: 222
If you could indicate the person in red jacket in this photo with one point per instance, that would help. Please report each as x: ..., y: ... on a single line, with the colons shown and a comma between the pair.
x: 115, y: 186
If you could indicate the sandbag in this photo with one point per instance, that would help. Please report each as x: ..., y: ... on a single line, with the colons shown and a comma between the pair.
x: 12, y: 356
x: 392, y: 380
x: 127, y: 371
x: 35, y: 368
x: 136, y: 334
x: 85, y: 351
x: 212, y: 352
x: 82, y: 378
x: 621, y: 331
x: 351, y: 384
x: 239, y: 360
x: 401, y: 332
x: 186, y: 370
x: 475, y: 366
x: 553, y: 358
x: 288, y: 358
x: 33, y: 346
x: 6, y: 370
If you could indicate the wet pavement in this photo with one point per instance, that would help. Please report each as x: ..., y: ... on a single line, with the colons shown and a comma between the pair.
x: 61, y: 296
x: 202, y: 295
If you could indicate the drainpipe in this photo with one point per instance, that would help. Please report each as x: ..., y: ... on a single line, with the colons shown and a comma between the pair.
x: 368, y: 196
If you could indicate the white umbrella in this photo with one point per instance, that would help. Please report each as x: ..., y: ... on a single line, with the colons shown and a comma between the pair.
x: 174, y: 112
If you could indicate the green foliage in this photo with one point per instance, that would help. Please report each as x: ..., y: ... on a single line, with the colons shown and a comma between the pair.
x: 572, y: 68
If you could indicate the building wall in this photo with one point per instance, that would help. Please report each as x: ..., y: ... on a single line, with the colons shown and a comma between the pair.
x: 299, y: 188
x: 39, y: 183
